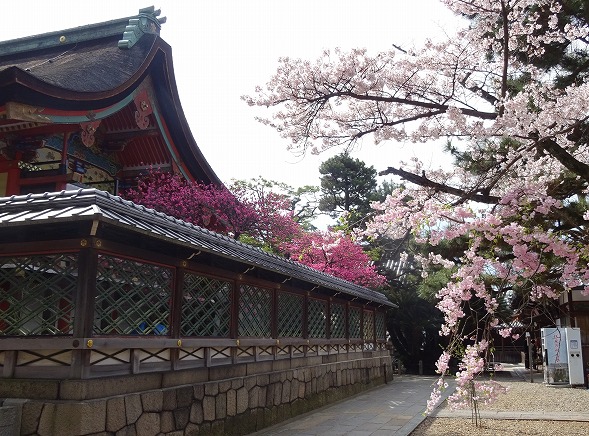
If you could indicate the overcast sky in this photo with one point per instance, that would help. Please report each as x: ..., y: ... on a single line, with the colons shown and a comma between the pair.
x: 222, y: 49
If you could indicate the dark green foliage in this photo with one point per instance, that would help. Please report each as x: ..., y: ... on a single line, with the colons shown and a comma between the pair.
x: 347, y: 185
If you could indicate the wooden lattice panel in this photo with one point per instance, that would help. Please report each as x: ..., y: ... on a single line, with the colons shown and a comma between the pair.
x: 290, y: 315
x: 368, y: 325
x: 317, y: 318
x: 381, y: 327
x: 131, y: 297
x: 354, y: 322
x: 338, y: 321
x: 37, y: 294
x: 206, y: 306
x: 255, y: 306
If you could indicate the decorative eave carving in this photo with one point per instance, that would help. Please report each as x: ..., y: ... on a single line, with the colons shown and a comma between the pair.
x: 87, y: 133
x: 144, y: 109
x: 146, y: 22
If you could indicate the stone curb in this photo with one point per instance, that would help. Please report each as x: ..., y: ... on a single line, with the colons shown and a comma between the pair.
x: 534, y: 416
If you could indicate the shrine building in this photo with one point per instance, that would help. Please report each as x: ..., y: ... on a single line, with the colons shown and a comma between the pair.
x: 117, y: 319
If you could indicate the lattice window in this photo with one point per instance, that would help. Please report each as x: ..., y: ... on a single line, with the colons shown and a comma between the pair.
x: 381, y: 326
x: 338, y: 321
x: 355, y: 316
x: 368, y: 325
x: 290, y: 315
x: 206, y: 306
x: 132, y: 297
x: 317, y: 318
x: 37, y: 294
x: 254, y: 312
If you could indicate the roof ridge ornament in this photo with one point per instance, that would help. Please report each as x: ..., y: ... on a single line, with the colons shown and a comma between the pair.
x: 146, y: 22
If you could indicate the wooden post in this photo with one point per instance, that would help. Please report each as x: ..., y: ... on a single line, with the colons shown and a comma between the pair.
x: 84, y: 310
x: 176, y: 313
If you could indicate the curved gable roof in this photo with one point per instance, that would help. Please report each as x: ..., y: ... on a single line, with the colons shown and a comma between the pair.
x: 93, y: 67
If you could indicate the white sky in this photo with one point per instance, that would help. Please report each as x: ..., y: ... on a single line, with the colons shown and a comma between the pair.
x: 222, y: 49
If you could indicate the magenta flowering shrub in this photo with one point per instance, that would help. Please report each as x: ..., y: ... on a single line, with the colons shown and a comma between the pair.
x: 260, y: 216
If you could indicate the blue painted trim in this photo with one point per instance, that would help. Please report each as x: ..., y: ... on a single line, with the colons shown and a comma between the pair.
x: 99, y: 115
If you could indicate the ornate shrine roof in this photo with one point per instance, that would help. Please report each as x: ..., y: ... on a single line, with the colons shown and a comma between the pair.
x: 59, y: 81
x: 89, y: 205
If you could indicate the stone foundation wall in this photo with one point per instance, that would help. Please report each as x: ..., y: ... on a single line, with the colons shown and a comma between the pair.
x: 237, y: 399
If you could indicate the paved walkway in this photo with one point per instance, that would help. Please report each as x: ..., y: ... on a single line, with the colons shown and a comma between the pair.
x: 392, y: 409
x: 395, y: 409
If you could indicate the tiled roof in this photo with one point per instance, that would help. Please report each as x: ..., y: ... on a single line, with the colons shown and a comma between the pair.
x: 91, y: 204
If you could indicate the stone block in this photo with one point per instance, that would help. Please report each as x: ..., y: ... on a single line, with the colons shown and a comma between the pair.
x: 196, y: 413
x: 8, y: 420
x: 31, y: 389
x: 169, y: 399
x: 185, y: 377
x: 285, y: 392
x: 152, y: 401
x: 253, y: 397
x: 262, y: 394
x: 281, y: 365
x: 212, y: 388
x: 236, y: 383
x: 242, y: 400
x: 208, y: 407
x: 217, y: 428
x: 277, y: 393
x: 108, y: 387
x: 167, y: 422
x: 181, y: 417
x: 184, y: 396
x: 263, y: 380
x: 221, y: 406
x: 294, y: 390
x: 115, y: 414
x: 73, y: 418
x: 191, y: 430
x: 133, y: 408
x: 274, y: 377
x: 250, y: 382
x: 224, y: 385
x: 269, y: 402
x: 17, y: 404
x: 231, y: 402
x: 226, y: 372
x: 302, y: 390
x: 148, y: 424
x: 127, y: 431
x: 199, y: 391
x: 259, y: 367
x: 31, y: 415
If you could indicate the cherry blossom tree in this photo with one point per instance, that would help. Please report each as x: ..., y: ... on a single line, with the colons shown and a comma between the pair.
x: 509, y: 91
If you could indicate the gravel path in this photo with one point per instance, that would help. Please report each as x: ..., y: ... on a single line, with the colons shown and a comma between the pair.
x: 547, y: 401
